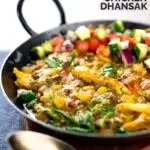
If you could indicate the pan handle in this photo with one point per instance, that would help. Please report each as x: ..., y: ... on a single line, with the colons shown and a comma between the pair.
x: 25, y: 24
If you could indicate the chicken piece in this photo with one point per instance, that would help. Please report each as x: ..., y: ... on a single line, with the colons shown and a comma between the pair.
x: 145, y: 84
x: 141, y: 123
x: 42, y: 74
x: 147, y: 94
x: 130, y: 82
x: 140, y: 108
x: 88, y: 75
x: 107, y: 95
x: 139, y: 69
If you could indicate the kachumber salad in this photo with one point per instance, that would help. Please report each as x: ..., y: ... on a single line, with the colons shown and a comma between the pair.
x: 93, y: 79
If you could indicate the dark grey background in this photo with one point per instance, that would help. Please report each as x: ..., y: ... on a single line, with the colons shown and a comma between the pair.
x: 9, y: 118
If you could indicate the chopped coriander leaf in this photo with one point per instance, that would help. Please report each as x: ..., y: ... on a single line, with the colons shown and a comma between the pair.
x: 96, y: 100
x: 106, y: 109
x: 54, y: 62
x: 109, y: 70
x: 89, y: 56
x: 32, y: 104
x: 71, y: 59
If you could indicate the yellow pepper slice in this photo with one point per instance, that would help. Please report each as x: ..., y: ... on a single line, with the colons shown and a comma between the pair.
x: 140, y: 108
x: 84, y: 97
x: 59, y: 102
x: 142, y: 122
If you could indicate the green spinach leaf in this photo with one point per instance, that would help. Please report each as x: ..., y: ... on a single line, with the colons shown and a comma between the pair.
x: 26, y: 96
x: 80, y: 129
x: 64, y: 115
x: 84, y: 119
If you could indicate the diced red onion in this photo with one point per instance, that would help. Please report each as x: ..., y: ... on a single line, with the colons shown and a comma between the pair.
x: 67, y: 45
x: 112, y: 31
x: 127, y: 57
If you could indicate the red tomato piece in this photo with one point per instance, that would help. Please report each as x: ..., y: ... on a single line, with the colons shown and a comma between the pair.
x: 126, y: 37
x: 104, y: 41
x: 147, y: 40
x: 93, y: 44
x: 113, y: 36
x: 82, y: 46
x: 58, y: 40
x: 59, y: 48
x: 92, y: 30
x: 130, y: 83
x: 122, y: 38
x: 131, y: 88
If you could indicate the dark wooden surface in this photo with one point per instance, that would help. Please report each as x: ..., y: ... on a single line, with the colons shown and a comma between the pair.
x: 136, y: 145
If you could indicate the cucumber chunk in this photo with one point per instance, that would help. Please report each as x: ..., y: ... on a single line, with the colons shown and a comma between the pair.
x: 47, y: 47
x: 114, y: 46
x: 101, y: 33
x: 140, y: 51
x: 118, y: 26
x: 138, y: 35
x: 83, y: 33
x: 127, y: 32
x: 37, y: 52
x: 147, y: 63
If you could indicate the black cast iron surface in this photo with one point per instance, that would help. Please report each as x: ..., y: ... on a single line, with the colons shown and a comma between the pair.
x: 9, y: 118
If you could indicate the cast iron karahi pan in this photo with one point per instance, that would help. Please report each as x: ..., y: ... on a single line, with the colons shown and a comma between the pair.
x: 20, y: 57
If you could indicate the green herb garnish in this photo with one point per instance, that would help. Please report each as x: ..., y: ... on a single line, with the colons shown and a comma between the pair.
x: 54, y: 62
x: 71, y: 59
x: 109, y: 70
x: 106, y: 109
